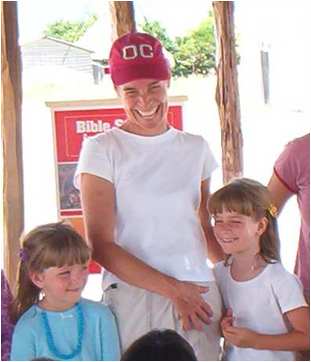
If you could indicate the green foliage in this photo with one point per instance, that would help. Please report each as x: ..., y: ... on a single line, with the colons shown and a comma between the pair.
x: 69, y: 31
x: 193, y: 53
x: 154, y: 28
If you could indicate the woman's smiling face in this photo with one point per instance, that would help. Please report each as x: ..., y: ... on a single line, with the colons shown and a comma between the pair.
x: 146, y: 106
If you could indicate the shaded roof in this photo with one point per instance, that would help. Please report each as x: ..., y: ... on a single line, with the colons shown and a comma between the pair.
x: 60, y: 41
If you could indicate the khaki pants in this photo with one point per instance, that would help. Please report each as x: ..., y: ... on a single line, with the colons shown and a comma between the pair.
x: 138, y: 311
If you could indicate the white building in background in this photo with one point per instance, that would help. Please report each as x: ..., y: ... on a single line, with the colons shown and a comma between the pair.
x: 54, y: 60
x: 280, y: 30
x: 49, y: 51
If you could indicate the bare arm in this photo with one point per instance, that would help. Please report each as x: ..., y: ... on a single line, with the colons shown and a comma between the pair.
x: 279, y: 192
x: 298, y: 339
x: 99, y: 210
x: 215, y: 252
x: 98, y: 203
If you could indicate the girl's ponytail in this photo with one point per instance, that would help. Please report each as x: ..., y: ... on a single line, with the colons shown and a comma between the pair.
x: 26, y: 292
x: 270, y: 240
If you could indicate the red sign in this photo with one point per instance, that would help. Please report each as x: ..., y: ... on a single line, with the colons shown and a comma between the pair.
x: 71, y: 127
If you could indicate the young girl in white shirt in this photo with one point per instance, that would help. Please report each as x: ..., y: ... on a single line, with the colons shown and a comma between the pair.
x: 266, y: 316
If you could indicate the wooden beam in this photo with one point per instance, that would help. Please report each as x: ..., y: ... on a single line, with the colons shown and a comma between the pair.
x: 11, y: 98
x: 122, y: 18
x: 227, y: 91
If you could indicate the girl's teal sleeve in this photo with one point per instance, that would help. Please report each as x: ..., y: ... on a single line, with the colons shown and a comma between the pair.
x: 23, y: 347
x: 110, y: 338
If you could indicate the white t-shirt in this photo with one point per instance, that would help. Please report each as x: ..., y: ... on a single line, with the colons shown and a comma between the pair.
x: 259, y: 304
x: 157, y: 181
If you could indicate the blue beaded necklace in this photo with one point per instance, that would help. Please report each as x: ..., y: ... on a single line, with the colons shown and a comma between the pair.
x: 50, y: 340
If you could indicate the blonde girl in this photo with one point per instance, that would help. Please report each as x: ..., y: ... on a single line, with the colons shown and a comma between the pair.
x: 267, y: 317
x: 53, y: 321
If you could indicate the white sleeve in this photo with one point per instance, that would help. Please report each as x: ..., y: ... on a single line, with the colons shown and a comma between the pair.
x: 288, y: 290
x: 209, y: 161
x: 94, y: 159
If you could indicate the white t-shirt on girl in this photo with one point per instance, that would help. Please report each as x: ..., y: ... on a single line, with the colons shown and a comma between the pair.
x: 258, y: 304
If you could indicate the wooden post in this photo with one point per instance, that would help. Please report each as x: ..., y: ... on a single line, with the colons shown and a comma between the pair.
x: 122, y: 18
x: 11, y: 97
x: 227, y: 92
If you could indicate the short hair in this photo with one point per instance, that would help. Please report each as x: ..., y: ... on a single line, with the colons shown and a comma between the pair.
x: 160, y: 345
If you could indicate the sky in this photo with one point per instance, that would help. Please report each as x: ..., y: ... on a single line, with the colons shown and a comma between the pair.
x: 282, y: 27
x: 177, y: 16
x: 34, y: 15
x: 282, y: 22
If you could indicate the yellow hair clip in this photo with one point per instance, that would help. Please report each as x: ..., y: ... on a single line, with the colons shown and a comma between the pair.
x: 273, y: 211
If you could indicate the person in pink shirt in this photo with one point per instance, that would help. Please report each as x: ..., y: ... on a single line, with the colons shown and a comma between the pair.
x: 291, y: 175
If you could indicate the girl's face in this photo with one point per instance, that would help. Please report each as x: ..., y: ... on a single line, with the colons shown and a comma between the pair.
x: 62, y: 286
x: 237, y: 233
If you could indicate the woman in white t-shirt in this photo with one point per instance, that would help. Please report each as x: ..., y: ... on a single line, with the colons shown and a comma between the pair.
x: 267, y: 317
x: 144, y: 189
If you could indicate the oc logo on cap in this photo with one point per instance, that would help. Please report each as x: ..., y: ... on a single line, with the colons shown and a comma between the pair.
x: 134, y: 51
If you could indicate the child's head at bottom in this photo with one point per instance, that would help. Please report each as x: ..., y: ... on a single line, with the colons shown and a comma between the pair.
x: 243, y: 209
x: 160, y: 345
x: 53, y: 257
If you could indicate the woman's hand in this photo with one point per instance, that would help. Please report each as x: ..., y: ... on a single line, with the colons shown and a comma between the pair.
x: 191, y: 308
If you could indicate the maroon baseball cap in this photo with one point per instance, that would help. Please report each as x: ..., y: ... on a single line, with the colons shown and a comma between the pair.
x: 137, y: 56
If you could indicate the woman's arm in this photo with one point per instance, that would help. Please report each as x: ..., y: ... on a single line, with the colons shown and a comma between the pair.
x: 279, y: 192
x: 99, y: 211
x: 215, y: 252
x: 298, y: 339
